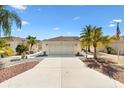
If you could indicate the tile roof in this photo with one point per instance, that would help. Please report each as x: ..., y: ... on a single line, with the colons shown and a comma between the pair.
x: 18, y: 39
x: 63, y: 38
x: 13, y: 38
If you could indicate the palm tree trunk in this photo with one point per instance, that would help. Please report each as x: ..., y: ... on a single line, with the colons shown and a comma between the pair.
x: 86, y: 51
x: 31, y: 48
x: 95, y: 56
x: 88, y: 48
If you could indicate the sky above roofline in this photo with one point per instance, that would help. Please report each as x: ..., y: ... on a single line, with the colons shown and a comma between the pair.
x: 52, y: 21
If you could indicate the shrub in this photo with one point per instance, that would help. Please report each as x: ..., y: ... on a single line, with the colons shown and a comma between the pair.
x: 109, y: 50
x: 21, y: 49
x: 9, y: 51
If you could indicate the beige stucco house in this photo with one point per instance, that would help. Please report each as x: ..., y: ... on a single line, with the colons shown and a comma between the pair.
x: 117, y: 45
x: 14, y: 41
x: 37, y: 47
x: 62, y: 45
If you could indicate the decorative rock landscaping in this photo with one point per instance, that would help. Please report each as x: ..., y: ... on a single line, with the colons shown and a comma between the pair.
x: 11, y: 71
x: 106, y: 67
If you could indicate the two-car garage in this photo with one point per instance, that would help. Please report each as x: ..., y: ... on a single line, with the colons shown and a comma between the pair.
x: 61, y: 49
x: 61, y: 46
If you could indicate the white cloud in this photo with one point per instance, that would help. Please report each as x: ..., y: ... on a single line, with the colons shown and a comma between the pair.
x: 116, y: 20
x: 24, y: 22
x: 56, y: 28
x: 76, y: 18
x: 19, y: 7
x: 112, y: 25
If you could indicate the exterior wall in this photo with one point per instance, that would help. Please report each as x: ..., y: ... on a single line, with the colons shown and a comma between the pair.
x: 14, y: 41
x: 13, y: 44
x: 45, y: 45
x: 115, y: 45
x: 118, y: 45
x: 37, y: 47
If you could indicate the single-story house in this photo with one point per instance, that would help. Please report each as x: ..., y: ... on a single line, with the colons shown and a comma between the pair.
x: 14, y: 41
x: 37, y: 47
x: 116, y: 45
x: 62, y: 45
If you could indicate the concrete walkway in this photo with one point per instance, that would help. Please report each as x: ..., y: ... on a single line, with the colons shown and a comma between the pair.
x: 62, y: 72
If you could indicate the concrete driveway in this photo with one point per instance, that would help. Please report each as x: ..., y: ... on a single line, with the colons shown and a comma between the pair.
x: 61, y: 72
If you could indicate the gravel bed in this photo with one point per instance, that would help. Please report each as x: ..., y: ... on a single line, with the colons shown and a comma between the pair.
x: 110, y: 69
x: 14, y: 69
x: 18, y: 61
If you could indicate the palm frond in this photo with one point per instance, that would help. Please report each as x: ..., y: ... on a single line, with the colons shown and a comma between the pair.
x: 6, y: 20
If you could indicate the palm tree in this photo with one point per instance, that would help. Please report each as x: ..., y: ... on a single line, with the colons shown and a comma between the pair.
x: 31, y: 41
x: 83, y: 45
x: 98, y: 39
x: 86, y: 36
x: 6, y: 20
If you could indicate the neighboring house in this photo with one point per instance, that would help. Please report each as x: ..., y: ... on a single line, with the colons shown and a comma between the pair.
x: 39, y: 44
x: 67, y: 45
x: 58, y: 45
x: 62, y: 45
x: 37, y: 47
x: 116, y: 45
x: 14, y: 41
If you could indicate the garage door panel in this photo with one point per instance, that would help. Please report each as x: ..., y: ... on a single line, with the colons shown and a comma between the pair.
x: 61, y: 49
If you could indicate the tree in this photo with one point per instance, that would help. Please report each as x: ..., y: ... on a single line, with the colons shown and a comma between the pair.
x: 92, y: 35
x: 98, y: 39
x: 31, y: 41
x: 86, y: 36
x: 83, y: 44
x: 21, y: 49
x: 6, y: 20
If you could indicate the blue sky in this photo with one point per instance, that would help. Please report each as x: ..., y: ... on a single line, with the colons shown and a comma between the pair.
x: 51, y: 21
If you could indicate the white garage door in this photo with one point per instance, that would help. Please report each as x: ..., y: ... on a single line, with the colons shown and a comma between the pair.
x: 58, y: 49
